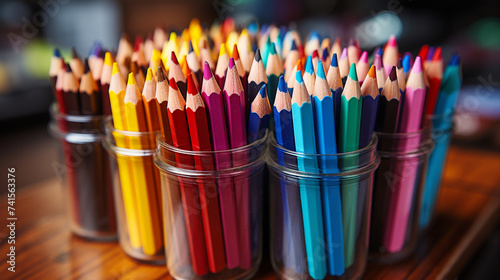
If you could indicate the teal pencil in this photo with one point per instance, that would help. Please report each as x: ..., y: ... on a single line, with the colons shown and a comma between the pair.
x: 310, y: 194
x: 274, y: 69
x: 350, y: 120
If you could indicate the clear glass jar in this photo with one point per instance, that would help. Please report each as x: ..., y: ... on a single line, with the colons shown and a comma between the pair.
x: 320, y: 215
x: 212, y: 209
x: 137, y: 192
x: 397, y: 193
x: 442, y: 130
x: 84, y: 173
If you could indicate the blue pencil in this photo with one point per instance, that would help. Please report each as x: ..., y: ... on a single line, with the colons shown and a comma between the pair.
x: 294, y: 255
x: 407, y: 65
x: 371, y: 95
x: 258, y: 120
x: 324, y: 124
x: 310, y: 193
x: 336, y: 86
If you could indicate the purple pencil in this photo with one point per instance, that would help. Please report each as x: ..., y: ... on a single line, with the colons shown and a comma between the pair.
x: 212, y: 97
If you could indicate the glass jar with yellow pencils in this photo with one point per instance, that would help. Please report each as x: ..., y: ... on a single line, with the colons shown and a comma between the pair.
x: 137, y: 192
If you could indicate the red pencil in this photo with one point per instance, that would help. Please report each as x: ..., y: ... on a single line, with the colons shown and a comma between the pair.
x: 200, y: 139
x: 435, y: 75
x: 175, y: 71
x: 190, y: 203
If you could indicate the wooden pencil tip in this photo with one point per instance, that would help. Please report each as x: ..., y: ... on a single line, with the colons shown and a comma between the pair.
x: 160, y: 74
x: 309, y: 65
x: 116, y: 69
x: 86, y: 66
x: 257, y: 55
x: 417, y: 65
x: 282, y: 84
x: 321, y: 71
x: 334, y: 62
x: 149, y: 75
x: 131, y: 79
x: 222, y: 50
x: 207, y: 72
x: 57, y: 52
x: 173, y: 57
x: 325, y: 54
x: 231, y: 63
x: 392, y: 75
x: 299, y: 65
x: 352, y: 72
x: 108, y: 59
x: 173, y: 84
x: 400, y: 63
x: 236, y: 54
x: 437, y: 54
x: 364, y: 57
x: 315, y: 54
x: 372, y: 73
x: 73, y: 53
x: 191, y: 87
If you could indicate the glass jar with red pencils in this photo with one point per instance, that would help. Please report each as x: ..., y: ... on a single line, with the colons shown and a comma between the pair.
x: 212, y: 210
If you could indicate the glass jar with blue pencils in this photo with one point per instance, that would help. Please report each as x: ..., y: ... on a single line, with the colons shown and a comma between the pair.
x: 83, y: 171
x: 397, y: 193
x: 137, y: 192
x: 320, y: 211
x: 442, y: 130
x: 212, y: 210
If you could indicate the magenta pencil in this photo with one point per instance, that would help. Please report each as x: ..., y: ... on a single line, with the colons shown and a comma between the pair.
x: 236, y: 122
x: 401, y: 199
x: 212, y: 97
x: 362, y: 67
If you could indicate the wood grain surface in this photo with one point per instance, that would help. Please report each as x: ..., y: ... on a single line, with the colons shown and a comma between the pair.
x: 468, y: 208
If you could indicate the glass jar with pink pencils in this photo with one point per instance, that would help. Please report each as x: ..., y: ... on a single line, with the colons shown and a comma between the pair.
x: 397, y: 193
x: 212, y: 210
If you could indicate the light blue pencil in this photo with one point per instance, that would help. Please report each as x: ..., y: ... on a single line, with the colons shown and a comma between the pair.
x: 310, y: 193
x: 324, y: 123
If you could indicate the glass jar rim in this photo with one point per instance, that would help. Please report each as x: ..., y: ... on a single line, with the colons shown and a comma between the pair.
x: 426, y: 130
x: 111, y: 147
x: 89, y: 135
x: 54, y: 111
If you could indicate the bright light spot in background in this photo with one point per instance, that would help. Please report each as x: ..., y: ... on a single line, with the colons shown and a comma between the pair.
x: 483, y: 32
x: 375, y: 31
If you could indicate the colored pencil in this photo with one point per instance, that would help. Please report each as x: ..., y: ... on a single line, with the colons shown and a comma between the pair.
x: 106, y: 72
x: 407, y: 64
x: 274, y: 69
x: 256, y: 78
x: 325, y: 57
x: 379, y: 68
x: 148, y: 208
x: 336, y: 86
x: 90, y: 99
x: 350, y: 114
x: 312, y: 44
x: 362, y: 67
x: 391, y: 55
x: 324, y: 124
x: 309, y: 75
x: 353, y: 51
x: 343, y: 63
x: 70, y: 92
x: 310, y: 194
x: 221, y: 68
x: 243, y: 77
x: 190, y: 194
x: 291, y: 82
x: 76, y: 64
x: 213, y: 99
x: 236, y: 123
x: 435, y: 75
x: 161, y: 105
x: 293, y: 243
x: 169, y: 47
x: 290, y: 61
x: 117, y: 89
x: 175, y: 71
x: 371, y: 95
x: 260, y: 112
x: 200, y: 140
x: 56, y: 63
x: 401, y: 198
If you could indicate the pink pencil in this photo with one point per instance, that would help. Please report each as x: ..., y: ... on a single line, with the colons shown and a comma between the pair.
x: 236, y: 122
x: 391, y: 54
x: 403, y: 194
x: 212, y: 97
x: 362, y: 67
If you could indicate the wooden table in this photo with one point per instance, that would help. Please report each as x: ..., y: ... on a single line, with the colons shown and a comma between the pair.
x: 468, y: 207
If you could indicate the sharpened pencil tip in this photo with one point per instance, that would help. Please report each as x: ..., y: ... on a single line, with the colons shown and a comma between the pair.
x: 321, y: 71
x: 334, y: 62
x: 298, y: 77
x: 116, y: 69
x: 190, y: 50
x: 73, y: 53
x: 231, y: 63
x: 57, y: 52
x: 344, y: 54
x: 263, y: 91
x: 160, y: 74
x: 131, y: 78
x: 294, y: 45
x: 272, y: 49
x: 222, y: 50
x: 437, y: 54
x: 149, y: 75
x: 392, y: 41
x: 400, y: 63
x: 173, y: 57
x: 235, y: 54
x: 417, y: 65
x: 325, y: 54
x: 364, y: 57
x: 68, y: 68
x: 207, y: 72
x: 86, y: 68
x: 392, y: 75
x: 258, y: 57
x: 407, y: 63
x: 372, y: 73
x: 378, y: 61
x: 309, y: 65
x: 352, y: 72
x: 315, y: 54
x: 282, y: 84
x: 108, y: 59
x: 191, y: 87
x: 173, y: 84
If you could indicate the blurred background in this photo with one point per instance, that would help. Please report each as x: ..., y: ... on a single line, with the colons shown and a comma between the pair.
x: 29, y: 30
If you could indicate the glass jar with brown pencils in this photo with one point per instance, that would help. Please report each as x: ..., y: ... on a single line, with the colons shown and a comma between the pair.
x: 137, y: 192
x: 320, y: 211
x: 212, y: 210
x: 84, y: 173
x: 397, y: 193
